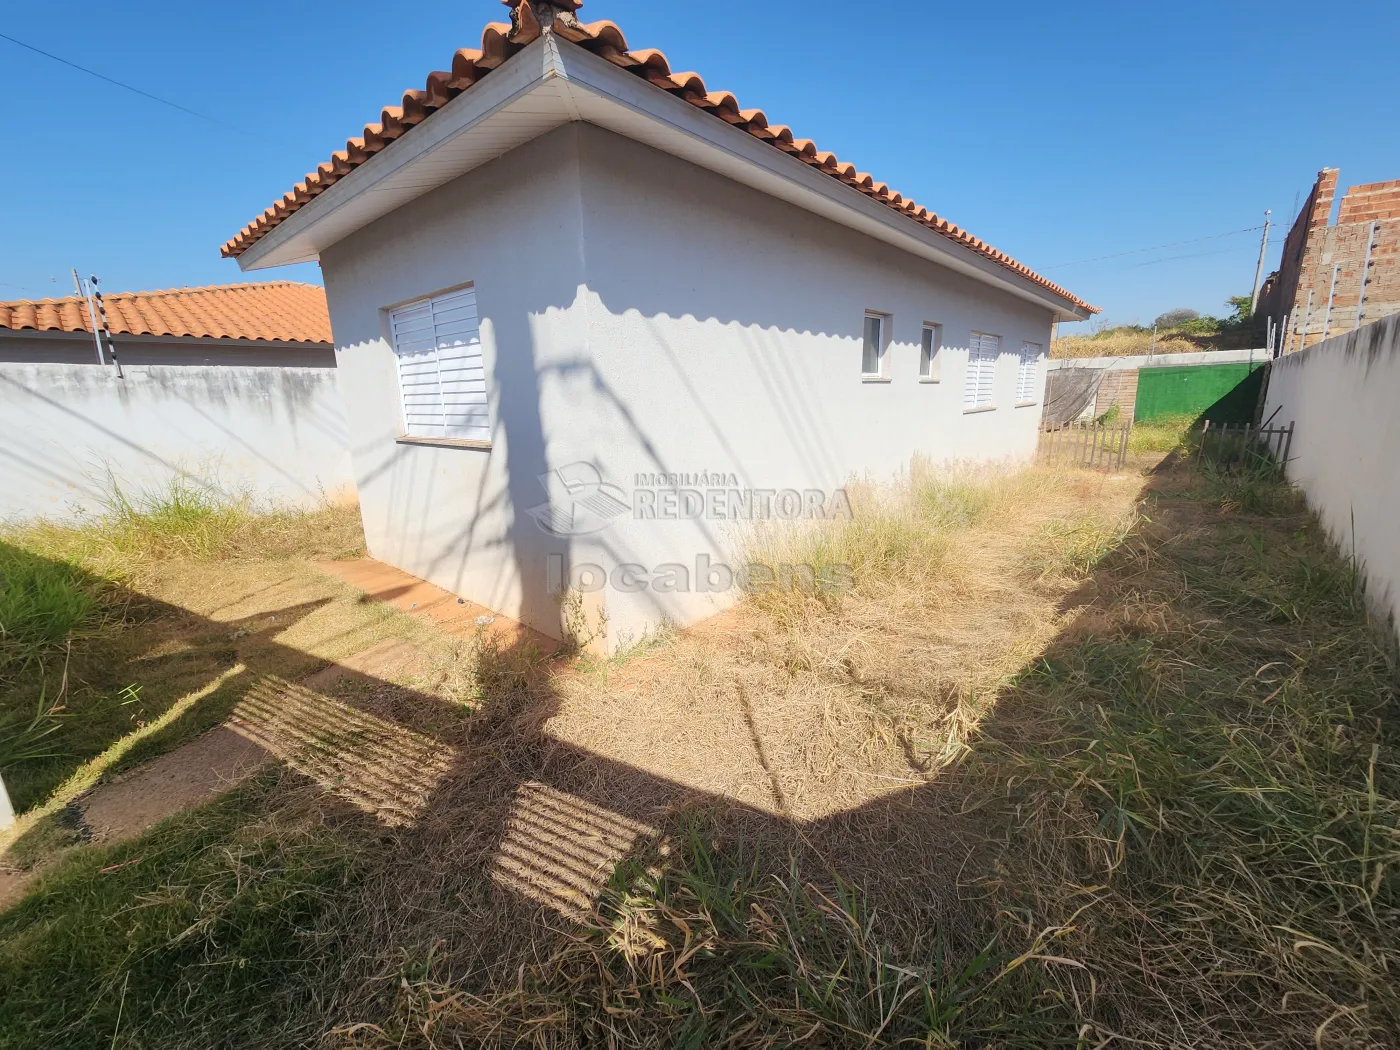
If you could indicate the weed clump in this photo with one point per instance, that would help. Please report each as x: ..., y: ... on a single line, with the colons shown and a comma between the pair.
x: 1162, y: 434
x: 898, y: 535
x: 186, y: 519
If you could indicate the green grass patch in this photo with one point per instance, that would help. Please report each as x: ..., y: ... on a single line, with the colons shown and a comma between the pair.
x: 1163, y: 434
x: 86, y: 659
x: 42, y: 602
x: 195, y: 935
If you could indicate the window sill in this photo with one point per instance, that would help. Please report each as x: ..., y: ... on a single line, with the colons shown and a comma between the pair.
x: 932, y: 382
x: 874, y: 379
x: 1026, y: 404
x: 979, y: 411
x: 427, y: 442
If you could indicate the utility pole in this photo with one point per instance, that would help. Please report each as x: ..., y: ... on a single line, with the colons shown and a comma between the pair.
x: 1259, y: 271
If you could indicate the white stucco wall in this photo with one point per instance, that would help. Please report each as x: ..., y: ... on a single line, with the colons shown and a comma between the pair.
x: 458, y: 516
x: 276, y: 434
x: 1341, y: 395
x: 725, y: 334
x: 642, y: 315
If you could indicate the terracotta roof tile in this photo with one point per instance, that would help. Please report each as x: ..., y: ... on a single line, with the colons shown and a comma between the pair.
x: 499, y: 41
x: 276, y: 311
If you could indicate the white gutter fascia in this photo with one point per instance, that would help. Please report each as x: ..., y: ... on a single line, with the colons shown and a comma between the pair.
x: 592, y: 89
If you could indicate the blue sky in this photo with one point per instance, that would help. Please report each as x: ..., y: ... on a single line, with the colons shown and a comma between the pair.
x: 1058, y: 132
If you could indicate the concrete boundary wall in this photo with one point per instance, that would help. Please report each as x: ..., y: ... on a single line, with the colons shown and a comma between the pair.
x: 1126, y: 378
x: 1342, y: 395
x: 1205, y: 357
x: 277, y: 434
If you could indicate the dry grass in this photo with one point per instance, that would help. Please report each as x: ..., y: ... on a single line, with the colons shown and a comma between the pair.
x: 1123, y: 342
x: 1073, y: 764
x: 682, y: 933
x: 815, y: 704
x: 184, y: 521
x: 1201, y: 786
x: 1101, y: 778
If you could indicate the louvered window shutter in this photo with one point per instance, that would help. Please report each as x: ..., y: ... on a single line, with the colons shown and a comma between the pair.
x: 982, y: 354
x: 1025, y: 375
x: 442, y: 376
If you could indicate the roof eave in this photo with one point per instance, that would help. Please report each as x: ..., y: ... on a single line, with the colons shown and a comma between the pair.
x: 564, y: 83
x: 231, y: 342
x: 397, y: 174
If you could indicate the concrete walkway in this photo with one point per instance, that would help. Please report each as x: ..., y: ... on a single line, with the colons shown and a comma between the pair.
x: 430, y: 603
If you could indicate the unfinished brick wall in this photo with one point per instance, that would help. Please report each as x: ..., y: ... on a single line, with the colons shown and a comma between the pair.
x: 1118, y: 387
x: 1379, y: 200
x: 1325, y: 274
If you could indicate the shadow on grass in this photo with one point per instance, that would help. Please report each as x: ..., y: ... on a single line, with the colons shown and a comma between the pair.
x: 105, y: 661
x: 1177, y: 825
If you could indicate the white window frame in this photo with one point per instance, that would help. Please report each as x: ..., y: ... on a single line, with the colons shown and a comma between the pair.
x: 931, y: 353
x: 1027, y: 368
x: 979, y: 383
x: 882, y: 345
x: 443, y: 390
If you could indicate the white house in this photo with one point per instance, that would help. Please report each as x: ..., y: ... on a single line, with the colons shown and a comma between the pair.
x: 592, y: 317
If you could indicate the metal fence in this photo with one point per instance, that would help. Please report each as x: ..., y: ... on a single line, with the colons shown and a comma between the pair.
x: 1233, y: 446
x: 1088, y: 446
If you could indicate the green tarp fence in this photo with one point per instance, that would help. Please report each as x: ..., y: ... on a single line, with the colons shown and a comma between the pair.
x: 1220, y: 393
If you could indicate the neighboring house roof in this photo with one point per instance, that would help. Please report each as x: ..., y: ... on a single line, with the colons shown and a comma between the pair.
x: 500, y: 41
x: 273, y: 311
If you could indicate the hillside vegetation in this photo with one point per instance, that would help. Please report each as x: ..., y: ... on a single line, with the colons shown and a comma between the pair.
x: 1176, y: 334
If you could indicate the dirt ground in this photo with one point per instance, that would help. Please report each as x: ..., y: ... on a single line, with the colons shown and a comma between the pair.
x: 822, y: 715
x: 132, y: 803
x: 12, y: 884
x: 203, y: 769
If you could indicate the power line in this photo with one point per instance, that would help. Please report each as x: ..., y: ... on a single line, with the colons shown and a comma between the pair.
x: 1192, y: 255
x: 128, y: 87
x: 23, y: 287
x: 1156, y: 247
